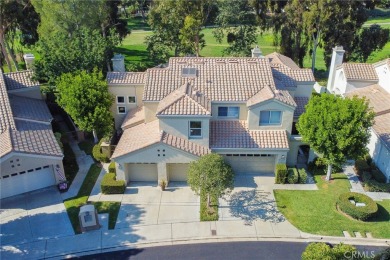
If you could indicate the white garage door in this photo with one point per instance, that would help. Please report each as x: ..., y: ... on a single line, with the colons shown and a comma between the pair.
x: 26, y: 181
x: 252, y: 164
x: 178, y: 171
x: 142, y: 172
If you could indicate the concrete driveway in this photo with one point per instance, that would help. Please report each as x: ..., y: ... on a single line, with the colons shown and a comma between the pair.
x: 145, y: 204
x: 252, y: 199
x: 33, y: 216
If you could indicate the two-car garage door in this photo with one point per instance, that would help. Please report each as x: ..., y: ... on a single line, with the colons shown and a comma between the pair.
x: 149, y: 172
x: 26, y: 181
x: 251, y: 163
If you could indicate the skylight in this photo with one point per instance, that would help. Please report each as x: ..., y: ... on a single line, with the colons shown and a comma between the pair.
x: 188, y: 72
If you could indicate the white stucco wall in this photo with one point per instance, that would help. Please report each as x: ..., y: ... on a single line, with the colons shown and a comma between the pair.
x: 380, y: 154
x: 340, y: 83
x: 287, y: 116
x: 383, y: 72
x: 304, y: 89
x: 179, y: 126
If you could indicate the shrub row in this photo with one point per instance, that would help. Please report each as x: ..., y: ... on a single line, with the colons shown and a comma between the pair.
x: 361, y: 166
x: 292, y: 176
x: 109, y: 184
x: 302, y: 175
x: 280, y: 173
x: 320, y: 251
x: 97, y: 153
x: 361, y: 213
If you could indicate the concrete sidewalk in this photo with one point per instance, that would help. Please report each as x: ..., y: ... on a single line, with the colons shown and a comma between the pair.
x: 166, y: 234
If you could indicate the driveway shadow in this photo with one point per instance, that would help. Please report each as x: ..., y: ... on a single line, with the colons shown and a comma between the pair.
x: 250, y: 205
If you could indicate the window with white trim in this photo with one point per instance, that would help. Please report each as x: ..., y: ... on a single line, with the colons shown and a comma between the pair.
x: 229, y: 112
x: 121, y: 110
x: 195, y: 129
x: 120, y: 99
x: 131, y: 99
x: 270, y: 117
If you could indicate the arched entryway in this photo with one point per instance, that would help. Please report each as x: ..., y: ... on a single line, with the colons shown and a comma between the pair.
x: 303, y: 154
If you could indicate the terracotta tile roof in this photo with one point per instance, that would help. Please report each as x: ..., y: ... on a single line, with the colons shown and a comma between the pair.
x: 277, y: 58
x: 220, y: 79
x: 20, y: 79
x: 41, y: 142
x: 6, y: 117
x: 288, y: 75
x: 134, y: 117
x: 144, y: 135
x: 359, y: 71
x: 378, y: 97
x: 235, y: 134
x: 184, y: 101
x: 22, y: 135
x: 301, y: 103
x: 30, y: 108
x: 125, y: 78
x: 382, y: 128
x: 267, y: 94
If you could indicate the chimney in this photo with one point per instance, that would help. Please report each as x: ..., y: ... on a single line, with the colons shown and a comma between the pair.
x: 256, y: 52
x: 29, y: 60
x: 337, y: 59
x: 118, y: 63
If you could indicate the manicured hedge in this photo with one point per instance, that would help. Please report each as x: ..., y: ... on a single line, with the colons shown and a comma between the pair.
x: 323, y: 251
x: 373, y: 185
x: 111, y: 186
x: 360, y: 213
x: 292, y: 176
x: 97, y: 153
x: 302, y: 175
x: 280, y: 173
x: 111, y: 167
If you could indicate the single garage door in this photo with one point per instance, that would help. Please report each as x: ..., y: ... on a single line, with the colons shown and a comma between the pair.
x: 142, y: 172
x: 25, y: 181
x: 178, y: 171
x: 252, y: 164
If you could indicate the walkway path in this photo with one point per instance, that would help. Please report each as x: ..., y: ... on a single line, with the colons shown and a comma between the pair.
x: 356, y: 185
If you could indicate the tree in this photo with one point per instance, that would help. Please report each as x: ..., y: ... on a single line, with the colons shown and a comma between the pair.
x: 191, y: 36
x: 236, y: 20
x: 337, y: 128
x: 210, y: 174
x: 85, y: 97
x: 61, y: 54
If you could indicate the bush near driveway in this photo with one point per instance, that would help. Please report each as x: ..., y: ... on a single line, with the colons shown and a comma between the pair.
x: 109, y: 184
x: 97, y: 153
x: 302, y: 175
x: 280, y: 173
x: 292, y: 176
x: 361, y: 213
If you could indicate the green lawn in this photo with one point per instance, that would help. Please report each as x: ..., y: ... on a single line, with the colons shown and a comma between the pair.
x: 315, y: 211
x: 205, y: 213
x: 73, y: 205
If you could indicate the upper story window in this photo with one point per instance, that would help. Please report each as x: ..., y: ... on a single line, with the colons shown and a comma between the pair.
x: 121, y: 110
x: 195, y: 129
x: 230, y: 112
x: 188, y: 72
x: 131, y: 99
x: 120, y: 99
x: 269, y: 117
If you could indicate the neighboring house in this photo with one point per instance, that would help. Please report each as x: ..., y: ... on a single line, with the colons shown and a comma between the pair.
x: 242, y: 108
x: 373, y: 82
x: 30, y: 157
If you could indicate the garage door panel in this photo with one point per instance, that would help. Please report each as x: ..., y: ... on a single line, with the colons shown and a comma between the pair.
x: 178, y: 171
x: 142, y: 172
x: 251, y: 164
x: 29, y: 181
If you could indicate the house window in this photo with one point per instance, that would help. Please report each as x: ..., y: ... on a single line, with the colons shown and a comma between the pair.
x: 195, y: 129
x: 231, y: 112
x: 121, y: 110
x: 269, y: 117
x: 188, y: 72
x: 131, y: 99
x: 120, y: 99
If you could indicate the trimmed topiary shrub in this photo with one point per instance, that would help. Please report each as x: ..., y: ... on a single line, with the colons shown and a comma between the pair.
x: 292, y: 176
x: 111, y: 167
x: 98, y: 155
x: 302, y: 175
x: 378, y: 176
x: 110, y: 185
x: 361, y: 213
x: 280, y: 173
x: 317, y: 251
x: 361, y: 166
